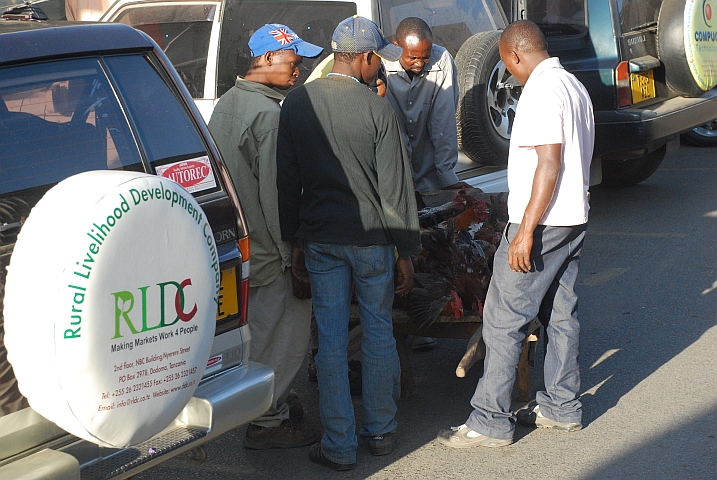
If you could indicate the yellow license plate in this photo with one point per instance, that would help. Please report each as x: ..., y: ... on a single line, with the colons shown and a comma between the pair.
x: 643, y: 86
x: 228, y: 298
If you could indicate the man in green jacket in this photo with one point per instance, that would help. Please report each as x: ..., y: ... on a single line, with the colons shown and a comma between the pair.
x: 244, y: 124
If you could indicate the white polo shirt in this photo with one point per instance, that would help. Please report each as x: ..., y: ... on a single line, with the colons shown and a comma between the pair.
x: 554, y: 107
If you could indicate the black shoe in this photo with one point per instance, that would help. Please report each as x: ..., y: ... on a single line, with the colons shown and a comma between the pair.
x: 423, y: 344
x: 316, y: 455
x: 532, y: 417
x: 296, y: 410
x: 286, y: 435
x: 382, y: 444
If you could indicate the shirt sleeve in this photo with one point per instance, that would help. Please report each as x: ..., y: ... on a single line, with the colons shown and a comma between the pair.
x: 395, y: 188
x: 546, y: 114
x: 287, y: 184
x: 442, y: 120
x: 268, y: 195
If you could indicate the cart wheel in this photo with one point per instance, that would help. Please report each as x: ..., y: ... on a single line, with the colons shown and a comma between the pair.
x: 197, y: 455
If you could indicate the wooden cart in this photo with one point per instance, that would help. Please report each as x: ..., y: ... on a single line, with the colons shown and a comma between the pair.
x: 444, y: 327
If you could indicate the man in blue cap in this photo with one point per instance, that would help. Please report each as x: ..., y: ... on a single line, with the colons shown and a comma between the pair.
x: 244, y: 124
x: 346, y: 195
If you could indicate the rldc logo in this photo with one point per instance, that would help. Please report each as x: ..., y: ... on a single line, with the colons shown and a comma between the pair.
x: 124, y: 303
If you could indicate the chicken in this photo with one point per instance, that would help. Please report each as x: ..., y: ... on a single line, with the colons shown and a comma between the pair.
x: 472, y: 218
x: 454, y: 268
x: 432, y: 216
x: 432, y: 296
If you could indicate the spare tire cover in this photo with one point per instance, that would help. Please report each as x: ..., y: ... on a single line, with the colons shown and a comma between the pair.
x: 110, y: 304
x: 687, y: 43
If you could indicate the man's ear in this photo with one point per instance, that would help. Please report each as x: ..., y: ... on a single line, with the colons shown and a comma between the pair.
x: 370, y: 56
x: 269, y: 57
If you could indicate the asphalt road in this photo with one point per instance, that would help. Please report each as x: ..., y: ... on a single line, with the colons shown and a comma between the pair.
x: 648, y: 292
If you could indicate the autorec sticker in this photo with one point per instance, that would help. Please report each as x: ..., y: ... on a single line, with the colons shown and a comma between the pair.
x: 700, y: 27
x: 194, y: 175
x: 110, y: 324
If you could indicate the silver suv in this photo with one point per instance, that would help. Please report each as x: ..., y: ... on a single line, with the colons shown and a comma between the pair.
x: 75, y: 98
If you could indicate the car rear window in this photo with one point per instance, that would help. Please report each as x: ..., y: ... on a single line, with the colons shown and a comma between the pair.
x: 557, y: 17
x: 313, y: 21
x: 183, y: 32
x: 451, y: 21
x: 637, y: 14
x: 58, y: 119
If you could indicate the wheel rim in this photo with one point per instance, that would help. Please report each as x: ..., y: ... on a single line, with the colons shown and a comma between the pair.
x: 707, y: 130
x: 502, y: 100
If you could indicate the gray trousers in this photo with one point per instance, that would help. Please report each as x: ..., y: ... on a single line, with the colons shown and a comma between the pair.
x: 279, y: 325
x: 513, y: 301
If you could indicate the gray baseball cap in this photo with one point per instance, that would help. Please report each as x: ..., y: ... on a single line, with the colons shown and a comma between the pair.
x: 358, y: 35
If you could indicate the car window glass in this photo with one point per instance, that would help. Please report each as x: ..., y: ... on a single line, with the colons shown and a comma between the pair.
x: 451, y: 21
x: 314, y: 22
x: 164, y: 127
x: 637, y: 13
x: 58, y: 119
x: 557, y: 17
x: 182, y: 32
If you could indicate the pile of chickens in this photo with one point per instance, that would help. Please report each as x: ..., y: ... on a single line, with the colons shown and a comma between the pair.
x: 453, y: 269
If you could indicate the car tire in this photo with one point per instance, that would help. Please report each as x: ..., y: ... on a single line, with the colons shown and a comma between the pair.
x: 702, y: 136
x: 626, y: 173
x: 486, y: 108
x: 673, y: 53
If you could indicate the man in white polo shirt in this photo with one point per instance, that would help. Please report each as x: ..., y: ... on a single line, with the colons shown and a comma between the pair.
x: 536, y: 265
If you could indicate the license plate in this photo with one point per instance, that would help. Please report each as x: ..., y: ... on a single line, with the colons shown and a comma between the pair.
x: 228, y: 298
x: 642, y: 85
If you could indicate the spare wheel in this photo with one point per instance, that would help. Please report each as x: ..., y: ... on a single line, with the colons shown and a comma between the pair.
x: 687, y: 44
x: 488, y: 99
x: 110, y: 304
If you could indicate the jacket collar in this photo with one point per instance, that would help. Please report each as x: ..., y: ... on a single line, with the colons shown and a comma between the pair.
x: 258, y: 88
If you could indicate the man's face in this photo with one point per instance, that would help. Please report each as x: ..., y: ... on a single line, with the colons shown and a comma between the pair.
x: 370, y: 68
x: 285, y: 69
x: 415, y: 53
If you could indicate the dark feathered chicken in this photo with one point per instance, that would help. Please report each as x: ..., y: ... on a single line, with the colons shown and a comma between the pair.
x: 453, y: 270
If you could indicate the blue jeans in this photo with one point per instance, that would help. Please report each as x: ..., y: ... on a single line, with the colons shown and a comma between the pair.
x: 513, y: 301
x: 332, y: 270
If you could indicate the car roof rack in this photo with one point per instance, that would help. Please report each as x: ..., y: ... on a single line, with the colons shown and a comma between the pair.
x: 26, y: 11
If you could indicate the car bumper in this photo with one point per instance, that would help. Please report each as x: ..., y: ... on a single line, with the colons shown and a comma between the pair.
x: 230, y: 399
x: 634, y: 132
x: 220, y: 403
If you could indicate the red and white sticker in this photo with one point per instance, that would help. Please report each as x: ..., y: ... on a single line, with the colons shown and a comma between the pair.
x: 194, y: 175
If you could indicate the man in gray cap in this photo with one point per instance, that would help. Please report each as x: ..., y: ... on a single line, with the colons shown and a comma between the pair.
x: 346, y: 195
x: 245, y: 124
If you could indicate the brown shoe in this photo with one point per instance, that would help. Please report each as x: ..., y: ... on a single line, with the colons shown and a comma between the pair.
x: 286, y: 435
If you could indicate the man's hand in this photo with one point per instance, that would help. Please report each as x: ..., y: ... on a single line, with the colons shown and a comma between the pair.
x: 299, y: 275
x: 404, y: 276
x: 544, y: 183
x: 519, y: 252
x: 457, y: 186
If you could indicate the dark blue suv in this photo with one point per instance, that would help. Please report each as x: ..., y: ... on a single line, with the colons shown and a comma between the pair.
x: 649, y: 66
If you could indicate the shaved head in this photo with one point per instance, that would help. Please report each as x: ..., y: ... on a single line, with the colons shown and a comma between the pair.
x: 524, y: 36
x: 413, y: 26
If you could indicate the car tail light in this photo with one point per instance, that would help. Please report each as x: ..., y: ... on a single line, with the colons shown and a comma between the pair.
x: 243, y: 244
x: 622, y: 77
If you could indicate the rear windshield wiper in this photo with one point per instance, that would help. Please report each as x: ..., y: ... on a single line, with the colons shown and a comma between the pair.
x: 644, y: 25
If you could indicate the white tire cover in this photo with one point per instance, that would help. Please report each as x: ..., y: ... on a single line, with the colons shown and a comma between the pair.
x: 687, y: 41
x: 93, y: 346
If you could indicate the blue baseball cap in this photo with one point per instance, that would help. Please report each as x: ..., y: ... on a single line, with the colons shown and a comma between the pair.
x: 358, y: 35
x: 274, y: 36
